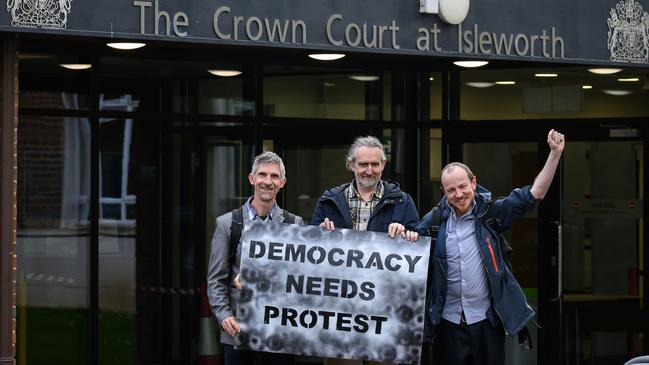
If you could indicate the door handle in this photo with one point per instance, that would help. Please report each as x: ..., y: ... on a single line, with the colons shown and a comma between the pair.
x: 559, y: 262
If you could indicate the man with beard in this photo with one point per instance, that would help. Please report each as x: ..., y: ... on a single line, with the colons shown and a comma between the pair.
x: 268, y: 176
x: 367, y: 203
x: 475, y: 299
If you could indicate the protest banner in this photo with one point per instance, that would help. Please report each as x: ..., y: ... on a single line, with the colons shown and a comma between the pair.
x: 343, y: 294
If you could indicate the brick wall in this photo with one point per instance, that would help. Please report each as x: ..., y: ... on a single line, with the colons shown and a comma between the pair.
x: 40, y: 167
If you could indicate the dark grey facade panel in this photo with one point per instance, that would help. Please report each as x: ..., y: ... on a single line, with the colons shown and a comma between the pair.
x: 593, y: 31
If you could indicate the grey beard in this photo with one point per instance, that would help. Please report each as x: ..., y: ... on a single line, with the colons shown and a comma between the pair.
x: 368, y: 183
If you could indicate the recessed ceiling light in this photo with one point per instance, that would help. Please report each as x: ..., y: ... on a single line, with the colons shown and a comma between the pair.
x: 76, y: 66
x: 546, y: 75
x: 480, y: 84
x: 617, y: 92
x: 628, y: 79
x: 470, y: 64
x: 225, y: 73
x: 326, y: 56
x: 125, y: 45
x: 364, y: 78
x: 587, y: 87
x: 604, y: 70
x: 505, y: 82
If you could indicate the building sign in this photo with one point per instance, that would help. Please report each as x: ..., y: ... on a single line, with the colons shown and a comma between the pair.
x: 346, y: 294
x: 600, y: 31
x: 605, y: 209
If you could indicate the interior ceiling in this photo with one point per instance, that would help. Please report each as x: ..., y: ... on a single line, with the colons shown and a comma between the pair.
x: 186, y: 60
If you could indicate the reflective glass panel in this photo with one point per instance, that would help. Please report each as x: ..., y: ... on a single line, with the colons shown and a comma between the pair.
x: 50, y: 81
x: 300, y: 92
x: 53, y: 240
x: 210, y: 88
x: 129, y: 244
x: 435, y: 79
x: 597, y: 276
x: 570, y: 92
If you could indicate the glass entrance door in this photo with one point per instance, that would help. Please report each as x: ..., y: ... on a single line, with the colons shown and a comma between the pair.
x: 601, y: 248
x: 580, y: 257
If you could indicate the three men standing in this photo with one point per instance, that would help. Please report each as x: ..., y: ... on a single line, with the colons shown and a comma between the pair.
x: 475, y: 299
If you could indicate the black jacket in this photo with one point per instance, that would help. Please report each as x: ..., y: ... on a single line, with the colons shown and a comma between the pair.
x: 395, y: 206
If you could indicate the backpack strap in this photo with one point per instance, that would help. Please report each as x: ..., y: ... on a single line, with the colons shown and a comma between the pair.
x: 289, y: 217
x: 237, y: 227
x: 436, y: 215
x: 235, y: 233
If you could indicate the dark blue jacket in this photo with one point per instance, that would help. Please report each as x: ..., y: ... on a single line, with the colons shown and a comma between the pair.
x: 395, y: 206
x: 508, y: 302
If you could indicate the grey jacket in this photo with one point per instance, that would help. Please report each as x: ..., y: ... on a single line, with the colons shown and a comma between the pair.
x: 220, y: 274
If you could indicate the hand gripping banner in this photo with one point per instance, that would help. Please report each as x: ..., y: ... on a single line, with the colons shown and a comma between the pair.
x: 344, y: 294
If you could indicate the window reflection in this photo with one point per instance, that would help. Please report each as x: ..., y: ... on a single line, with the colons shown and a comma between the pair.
x: 53, y: 239
x: 185, y: 87
x: 223, y: 96
x: 53, y: 100
x: 224, y: 191
x: 126, y: 167
x: 435, y: 82
x: 45, y: 84
x: 324, y: 93
x: 552, y: 94
x: 114, y: 162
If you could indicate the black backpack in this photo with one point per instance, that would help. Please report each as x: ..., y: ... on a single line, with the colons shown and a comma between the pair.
x: 524, y: 338
x: 237, y: 226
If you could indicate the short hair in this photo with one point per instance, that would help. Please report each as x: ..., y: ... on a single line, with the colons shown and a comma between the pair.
x: 451, y: 166
x: 269, y: 157
x: 367, y: 141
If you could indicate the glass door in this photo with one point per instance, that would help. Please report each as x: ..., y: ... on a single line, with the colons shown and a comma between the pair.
x: 601, y: 252
x: 580, y: 257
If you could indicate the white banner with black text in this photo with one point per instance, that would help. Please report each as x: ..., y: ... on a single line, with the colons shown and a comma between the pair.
x: 343, y: 294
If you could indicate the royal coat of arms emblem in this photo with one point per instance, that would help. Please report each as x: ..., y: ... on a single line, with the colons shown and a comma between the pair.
x: 49, y: 14
x: 628, y: 32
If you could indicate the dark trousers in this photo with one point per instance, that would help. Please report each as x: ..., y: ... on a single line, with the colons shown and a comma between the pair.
x: 232, y: 356
x: 476, y: 344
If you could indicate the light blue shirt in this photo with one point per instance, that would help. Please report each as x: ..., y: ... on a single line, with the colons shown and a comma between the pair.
x: 467, y: 285
x: 252, y: 212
